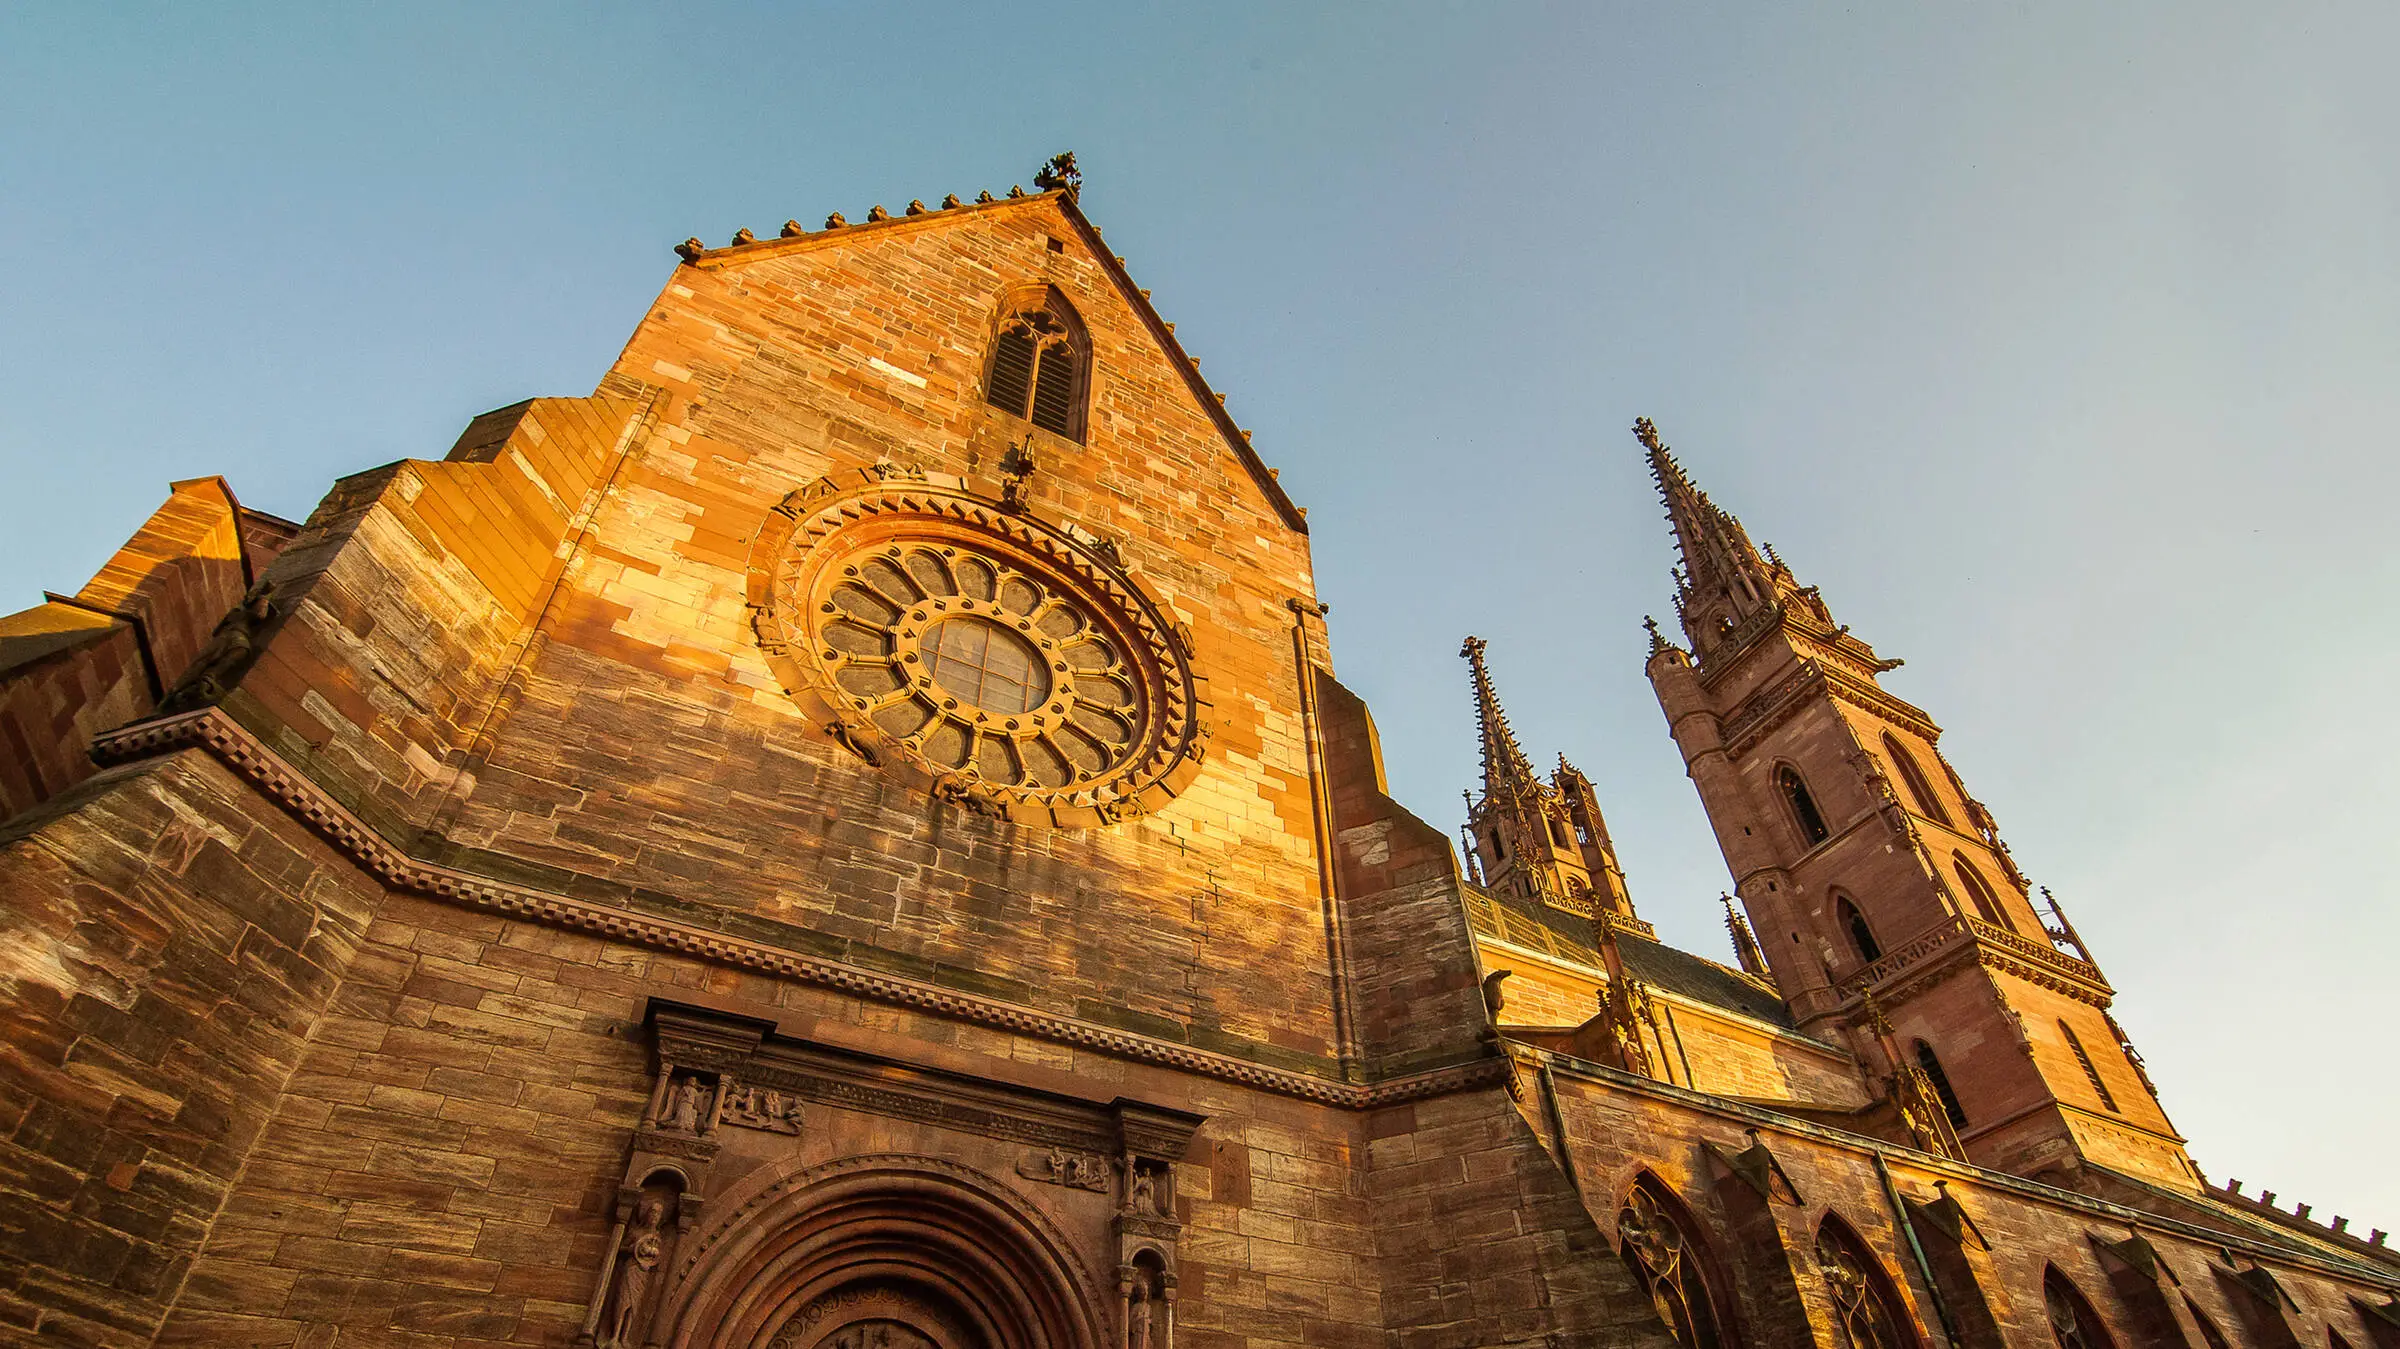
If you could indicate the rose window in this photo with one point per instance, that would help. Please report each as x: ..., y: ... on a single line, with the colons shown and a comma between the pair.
x: 1012, y: 664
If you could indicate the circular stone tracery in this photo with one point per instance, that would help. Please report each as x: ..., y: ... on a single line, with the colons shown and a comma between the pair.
x: 991, y: 654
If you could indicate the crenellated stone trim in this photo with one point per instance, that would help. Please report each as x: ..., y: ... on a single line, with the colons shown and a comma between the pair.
x: 251, y: 759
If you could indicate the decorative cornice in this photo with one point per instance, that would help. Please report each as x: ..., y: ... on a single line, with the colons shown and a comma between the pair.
x: 1859, y: 691
x: 251, y: 759
x: 1995, y: 948
x: 1759, y: 714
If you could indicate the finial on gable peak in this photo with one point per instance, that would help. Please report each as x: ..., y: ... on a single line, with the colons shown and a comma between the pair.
x: 1060, y: 175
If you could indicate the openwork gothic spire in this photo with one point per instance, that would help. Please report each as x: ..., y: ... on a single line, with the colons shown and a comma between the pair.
x: 1723, y: 578
x: 1507, y: 773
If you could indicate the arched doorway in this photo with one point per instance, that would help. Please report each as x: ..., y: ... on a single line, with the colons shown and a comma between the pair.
x: 884, y: 1253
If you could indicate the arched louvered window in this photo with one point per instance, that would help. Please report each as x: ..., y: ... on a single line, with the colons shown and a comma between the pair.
x: 1869, y: 1309
x: 1041, y: 363
x: 1861, y: 936
x: 2099, y: 1088
x: 2073, y: 1323
x: 1804, y: 806
x: 1661, y: 1246
x: 1932, y: 1064
x: 1919, y: 789
x: 1979, y: 891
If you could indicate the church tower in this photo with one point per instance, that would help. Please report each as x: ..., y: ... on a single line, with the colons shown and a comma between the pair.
x: 1885, y: 904
x: 1540, y: 840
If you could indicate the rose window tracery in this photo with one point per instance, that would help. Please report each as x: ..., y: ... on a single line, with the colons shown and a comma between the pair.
x: 1008, y: 663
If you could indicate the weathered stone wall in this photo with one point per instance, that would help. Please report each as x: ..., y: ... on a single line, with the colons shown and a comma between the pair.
x: 168, y: 946
x: 644, y: 749
x: 80, y: 665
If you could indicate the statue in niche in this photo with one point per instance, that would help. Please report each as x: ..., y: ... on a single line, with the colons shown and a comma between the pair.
x: 637, y: 1265
x: 1142, y: 1194
x: 685, y: 1117
x: 1137, y: 1313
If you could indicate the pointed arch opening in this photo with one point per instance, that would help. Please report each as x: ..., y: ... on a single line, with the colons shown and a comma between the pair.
x: 2091, y: 1071
x: 2210, y: 1335
x: 1862, y: 937
x: 1979, y: 891
x: 1805, y: 814
x: 1931, y: 1063
x: 1920, y: 789
x: 2073, y: 1321
x: 1661, y: 1243
x: 1041, y: 361
x: 1867, y: 1304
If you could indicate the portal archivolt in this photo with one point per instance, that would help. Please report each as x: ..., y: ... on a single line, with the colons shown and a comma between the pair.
x: 883, y: 1253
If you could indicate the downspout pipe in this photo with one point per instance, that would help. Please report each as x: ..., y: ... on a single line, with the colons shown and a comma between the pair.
x: 1908, y: 1229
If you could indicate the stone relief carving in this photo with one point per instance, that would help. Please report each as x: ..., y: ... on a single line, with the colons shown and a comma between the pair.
x: 754, y: 1107
x: 1057, y: 1166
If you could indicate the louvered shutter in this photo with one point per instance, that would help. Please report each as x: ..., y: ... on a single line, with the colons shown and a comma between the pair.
x: 1054, y: 391
x: 1012, y: 372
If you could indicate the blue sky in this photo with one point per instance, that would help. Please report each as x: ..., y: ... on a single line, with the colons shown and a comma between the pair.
x: 2060, y: 347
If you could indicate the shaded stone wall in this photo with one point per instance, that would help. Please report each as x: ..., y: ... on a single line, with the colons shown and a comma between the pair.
x: 169, y: 948
x: 1990, y: 1284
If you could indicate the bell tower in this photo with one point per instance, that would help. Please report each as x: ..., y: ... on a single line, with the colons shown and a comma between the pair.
x: 1543, y: 840
x: 1885, y: 904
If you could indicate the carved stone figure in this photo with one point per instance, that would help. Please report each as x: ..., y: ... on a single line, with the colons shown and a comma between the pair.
x: 686, y: 1116
x: 231, y: 648
x: 636, y: 1268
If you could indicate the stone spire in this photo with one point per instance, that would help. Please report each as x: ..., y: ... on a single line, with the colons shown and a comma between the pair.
x: 1724, y: 578
x: 1507, y: 773
x: 1745, y: 943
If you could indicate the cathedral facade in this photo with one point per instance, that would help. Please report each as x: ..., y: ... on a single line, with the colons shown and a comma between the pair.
x: 849, y: 837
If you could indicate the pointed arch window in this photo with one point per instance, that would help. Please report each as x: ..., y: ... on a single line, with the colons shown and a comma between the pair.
x: 2090, y: 1071
x: 1659, y: 1244
x: 1931, y: 1063
x: 2209, y: 1334
x: 1869, y: 1315
x: 1861, y: 936
x: 1919, y: 788
x: 1979, y: 891
x: 1041, y: 363
x: 1804, y: 806
x: 2073, y: 1323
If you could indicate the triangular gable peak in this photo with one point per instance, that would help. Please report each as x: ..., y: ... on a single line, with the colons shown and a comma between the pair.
x: 747, y: 251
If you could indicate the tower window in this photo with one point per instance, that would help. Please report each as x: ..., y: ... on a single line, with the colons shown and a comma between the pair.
x: 1041, y: 362
x: 1861, y: 936
x: 1979, y: 891
x: 1804, y: 806
x: 1558, y: 834
x: 1919, y: 790
x: 1941, y: 1085
x: 2099, y: 1087
x: 1499, y: 853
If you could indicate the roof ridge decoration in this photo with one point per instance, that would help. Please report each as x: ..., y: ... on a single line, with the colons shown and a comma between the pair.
x: 1066, y: 199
